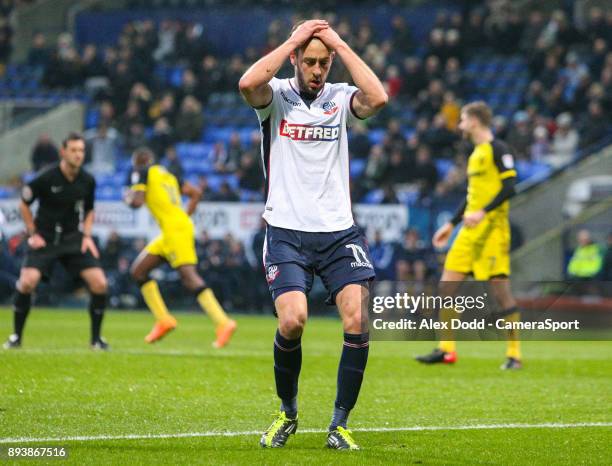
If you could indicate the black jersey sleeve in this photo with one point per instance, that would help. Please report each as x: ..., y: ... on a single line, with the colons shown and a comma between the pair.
x: 503, y: 159
x: 137, y: 179
x: 91, y: 194
x: 31, y: 191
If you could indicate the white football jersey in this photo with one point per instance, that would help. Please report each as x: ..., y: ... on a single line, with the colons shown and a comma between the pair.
x: 305, y: 157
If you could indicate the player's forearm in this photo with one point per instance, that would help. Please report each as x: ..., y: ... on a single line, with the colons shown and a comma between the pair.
x: 264, y: 69
x: 192, y: 205
x: 88, y: 223
x: 363, y: 77
x: 28, y: 218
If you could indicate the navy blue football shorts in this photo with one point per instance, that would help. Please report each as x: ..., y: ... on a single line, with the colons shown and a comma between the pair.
x: 292, y: 258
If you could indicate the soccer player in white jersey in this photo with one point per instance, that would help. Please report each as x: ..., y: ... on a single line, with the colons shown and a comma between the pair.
x: 310, y: 227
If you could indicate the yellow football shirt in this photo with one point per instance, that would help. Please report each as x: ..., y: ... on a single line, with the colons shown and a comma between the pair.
x: 489, y: 164
x: 162, y: 196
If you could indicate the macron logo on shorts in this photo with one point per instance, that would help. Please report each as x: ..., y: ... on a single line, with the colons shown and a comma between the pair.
x: 309, y: 132
x: 361, y: 258
x: 272, y: 273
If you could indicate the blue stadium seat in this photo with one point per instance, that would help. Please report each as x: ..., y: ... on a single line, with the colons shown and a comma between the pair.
x: 357, y: 166
x: 373, y: 197
x: 376, y: 136
x: 443, y: 166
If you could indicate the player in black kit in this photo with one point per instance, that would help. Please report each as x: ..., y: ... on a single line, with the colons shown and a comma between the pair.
x: 61, y: 232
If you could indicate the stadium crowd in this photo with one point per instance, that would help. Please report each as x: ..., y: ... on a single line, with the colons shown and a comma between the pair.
x: 566, y: 106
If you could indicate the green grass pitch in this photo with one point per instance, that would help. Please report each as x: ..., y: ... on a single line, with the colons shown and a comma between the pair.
x: 55, y: 388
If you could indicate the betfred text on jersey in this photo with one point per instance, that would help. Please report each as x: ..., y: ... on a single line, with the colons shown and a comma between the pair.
x: 309, y: 132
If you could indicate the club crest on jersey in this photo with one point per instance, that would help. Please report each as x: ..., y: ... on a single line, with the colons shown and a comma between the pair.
x: 329, y: 108
x: 309, y: 132
x: 272, y: 273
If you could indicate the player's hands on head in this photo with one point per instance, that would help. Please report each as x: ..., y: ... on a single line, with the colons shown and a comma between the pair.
x: 88, y: 245
x: 473, y: 218
x: 329, y: 37
x: 442, y: 235
x: 307, y: 29
x: 36, y: 241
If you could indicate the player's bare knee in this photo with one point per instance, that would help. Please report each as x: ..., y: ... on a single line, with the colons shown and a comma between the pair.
x: 292, y: 326
x: 99, y: 285
x: 28, y: 281
x: 26, y: 285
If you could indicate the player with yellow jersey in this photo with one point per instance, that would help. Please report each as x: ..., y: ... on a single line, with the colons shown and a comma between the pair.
x: 160, y: 190
x: 482, y: 245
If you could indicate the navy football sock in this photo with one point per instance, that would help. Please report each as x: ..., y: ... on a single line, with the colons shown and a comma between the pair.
x: 287, y: 365
x: 21, y: 308
x: 97, y: 304
x: 350, y: 375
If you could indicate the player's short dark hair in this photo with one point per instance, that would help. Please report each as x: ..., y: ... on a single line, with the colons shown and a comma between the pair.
x: 479, y: 110
x: 72, y: 136
x: 143, y: 155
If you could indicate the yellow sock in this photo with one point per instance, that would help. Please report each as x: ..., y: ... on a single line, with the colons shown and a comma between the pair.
x: 211, y: 306
x: 447, y: 344
x: 514, y: 344
x: 155, y: 302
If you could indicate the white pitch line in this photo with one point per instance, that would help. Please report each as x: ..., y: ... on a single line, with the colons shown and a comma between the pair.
x: 85, y: 438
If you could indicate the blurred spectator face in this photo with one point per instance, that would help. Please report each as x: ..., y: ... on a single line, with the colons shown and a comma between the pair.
x: 161, y: 126
x: 376, y: 152
x: 423, y: 155
x: 540, y: 134
x: 439, y: 121
x: 133, y: 109
x: 432, y: 65
x: 452, y: 65
x: 535, y: 87
x: 499, y: 124
x: 39, y: 41
x: 536, y: 18
x: 595, y: 109
x: 377, y: 236
x: 599, y: 46
x: 452, y: 37
x: 583, y: 237
x: 167, y: 102
x: 190, y: 105
x: 312, y: 65
x: 436, y: 37
x: 394, y: 126
x: 89, y: 53
x: 396, y: 158
x: 107, y: 111
x: 247, y: 160
x: 171, y: 153
x: 234, y: 139
x: 564, y: 121
x: 436, y: 87
x: 596, y: 15
x: 189, y: 79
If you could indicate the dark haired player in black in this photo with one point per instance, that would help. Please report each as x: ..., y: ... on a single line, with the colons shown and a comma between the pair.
x: 61, y: 231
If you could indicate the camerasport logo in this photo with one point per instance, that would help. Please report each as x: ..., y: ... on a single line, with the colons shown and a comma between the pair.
x: 309, y: 132
x: 272, y: 273
x: 329, y: 108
